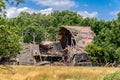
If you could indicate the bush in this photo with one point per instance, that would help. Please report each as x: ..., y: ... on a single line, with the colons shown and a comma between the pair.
x: 112, y: 76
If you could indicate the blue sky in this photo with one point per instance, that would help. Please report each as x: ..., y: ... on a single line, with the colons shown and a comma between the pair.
x: 101, y: 9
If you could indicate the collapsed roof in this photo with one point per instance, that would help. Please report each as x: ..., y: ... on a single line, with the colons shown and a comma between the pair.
x: 76, y: 35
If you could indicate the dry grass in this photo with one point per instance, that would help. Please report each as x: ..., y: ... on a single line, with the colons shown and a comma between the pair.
x: 56, y: 73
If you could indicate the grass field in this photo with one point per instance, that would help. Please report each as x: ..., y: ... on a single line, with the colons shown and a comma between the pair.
x: 55, y: 73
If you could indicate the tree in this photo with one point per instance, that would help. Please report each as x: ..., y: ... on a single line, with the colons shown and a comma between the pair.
x: 11, y: 2
x: 117, y: 52
x: 41, y: 23
x: 2, y: 5
x: 14, y: 2
x: 33, y: 34
x: 95, y: 52
x: 9, y: 41
x: 66, y: 17
x: 108, y: 38
x: 9, y: 38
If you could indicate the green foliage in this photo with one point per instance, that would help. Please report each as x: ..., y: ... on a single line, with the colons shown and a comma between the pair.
x: 9, y: 38
x: 109, y: 39
x: 14, y: 2
x: 117, y: 52
x: 11, y: 2
x: 45, y: 25
x: 2, y: 21
x: 112, y: 76
x: 66, y: 18
x: 2, y: 5
x: 39, y: 24
x: 9, y: 41
x: 32, y: 32
x: 95, y: 52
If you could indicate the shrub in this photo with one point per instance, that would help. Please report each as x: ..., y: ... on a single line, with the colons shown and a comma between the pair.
x: 112, y: 76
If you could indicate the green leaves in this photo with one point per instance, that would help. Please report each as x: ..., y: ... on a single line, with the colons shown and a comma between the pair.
x: 11, y: 2
x: 95, y: 52
x: 66, y: 18
x: 117, y: 54
x: 33, y: 33
x: 39, y: 24
x: 108, y: 38
x: 9, y: 41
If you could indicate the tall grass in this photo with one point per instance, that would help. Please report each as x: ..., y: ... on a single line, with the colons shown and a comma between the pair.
x: 56, y: 73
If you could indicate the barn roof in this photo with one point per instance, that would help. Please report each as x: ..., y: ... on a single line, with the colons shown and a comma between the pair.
x: 82, y: 34
x: 78, y: 29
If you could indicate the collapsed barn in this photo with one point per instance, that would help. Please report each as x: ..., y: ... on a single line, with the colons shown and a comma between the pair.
x: 68, y: 50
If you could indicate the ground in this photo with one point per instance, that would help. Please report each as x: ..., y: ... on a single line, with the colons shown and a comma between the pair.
x: 55, y: 73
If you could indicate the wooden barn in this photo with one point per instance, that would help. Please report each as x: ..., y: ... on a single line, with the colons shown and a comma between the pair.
x: 76, y: 35
x: 26, y: 55
x: 74, y: 39
x: 68, y: 49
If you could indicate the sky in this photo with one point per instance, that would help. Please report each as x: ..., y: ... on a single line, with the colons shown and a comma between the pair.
x: 100, y: 9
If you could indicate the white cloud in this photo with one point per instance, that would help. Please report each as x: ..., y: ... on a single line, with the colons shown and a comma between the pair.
x: 85, y: 14
x: 56, y: 4
x: 46, y: 11
x: 13, y: 11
